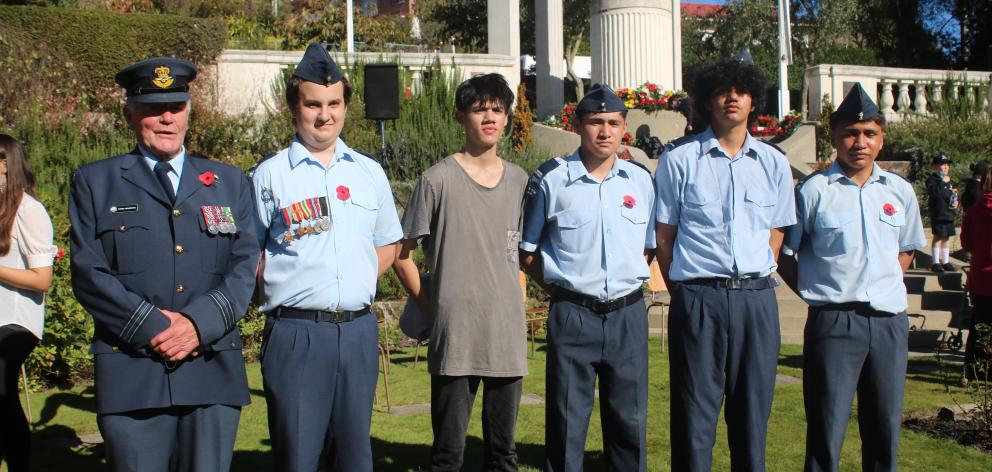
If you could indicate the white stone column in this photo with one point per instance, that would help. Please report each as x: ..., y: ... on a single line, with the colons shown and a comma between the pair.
x: 504, y: 34
x: 630, y: 42
x: 886, y: 101
x: 677, y: 44
x: 920, y: 103
x: 550, y: 58
x: 903, y: 101
x: 938, y: 94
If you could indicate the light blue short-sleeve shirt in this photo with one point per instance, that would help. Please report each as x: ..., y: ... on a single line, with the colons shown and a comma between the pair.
x: 848, y: 238
x: 591, y: 234
x: 724, y: 208
x: 335, y: 269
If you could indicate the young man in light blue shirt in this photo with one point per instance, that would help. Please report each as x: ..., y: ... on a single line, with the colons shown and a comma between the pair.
x: 858, y: 227
x: 328, y: 229
x: 724, y: 200
x: 587, y: 238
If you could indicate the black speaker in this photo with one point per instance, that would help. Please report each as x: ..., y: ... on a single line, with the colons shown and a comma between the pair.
x: 382, y: 92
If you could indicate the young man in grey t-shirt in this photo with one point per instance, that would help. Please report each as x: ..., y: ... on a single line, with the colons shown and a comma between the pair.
x: 466, y: 210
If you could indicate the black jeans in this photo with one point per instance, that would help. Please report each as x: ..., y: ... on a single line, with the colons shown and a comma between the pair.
x: 981, y: 313
x: 16, y: 343
x: 451, y: 408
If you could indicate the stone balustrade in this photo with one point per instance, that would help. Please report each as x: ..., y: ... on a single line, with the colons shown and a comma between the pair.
x: 899, y: 92
x: 243, y: 79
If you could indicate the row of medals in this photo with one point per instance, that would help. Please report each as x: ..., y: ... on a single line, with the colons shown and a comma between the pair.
x: 219, y: 221
x: 312, y: 226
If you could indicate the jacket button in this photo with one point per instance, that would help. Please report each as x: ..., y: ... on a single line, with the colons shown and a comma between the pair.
x: 114, y: 349
x: 180, y: 288
x: 233, y: 345
x: 180, y: 249
x: 122, y: 228
x: 177, y: 213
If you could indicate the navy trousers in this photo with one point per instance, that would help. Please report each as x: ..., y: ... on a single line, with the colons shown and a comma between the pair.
x: 320, y: 381
x: 581, y: 346
x: 178, y: 438
x: 848, y: 349
x: 723, y: 343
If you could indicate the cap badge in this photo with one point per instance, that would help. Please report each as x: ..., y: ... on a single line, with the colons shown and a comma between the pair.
x: 861, y: 116
x: 162, y: 78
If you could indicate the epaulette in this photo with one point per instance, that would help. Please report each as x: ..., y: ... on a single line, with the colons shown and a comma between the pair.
x: 776, y: 147
x: 251, y: 170
x: 534, y: 184
x: 638, y: 164
x: 803, y: 180
x: 679, y: 142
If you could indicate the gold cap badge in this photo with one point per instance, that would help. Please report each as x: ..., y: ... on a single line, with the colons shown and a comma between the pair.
x: 162, y: 78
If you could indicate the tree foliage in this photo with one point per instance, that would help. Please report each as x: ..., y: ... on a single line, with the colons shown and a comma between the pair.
x: 317, y: 21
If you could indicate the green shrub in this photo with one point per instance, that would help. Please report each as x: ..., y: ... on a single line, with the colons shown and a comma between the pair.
x: 100, y: 43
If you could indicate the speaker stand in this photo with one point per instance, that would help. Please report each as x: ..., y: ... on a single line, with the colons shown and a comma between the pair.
x: 382, y: 132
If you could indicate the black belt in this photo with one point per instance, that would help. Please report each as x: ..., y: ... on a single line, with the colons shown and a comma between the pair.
x: 755, y: 283
x: 861, y: 308
x: 320, y: 315
x: 595, y: 305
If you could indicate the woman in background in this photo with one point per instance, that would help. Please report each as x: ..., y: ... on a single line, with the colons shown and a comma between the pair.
x: 26, y: 254
x: 976, y: 237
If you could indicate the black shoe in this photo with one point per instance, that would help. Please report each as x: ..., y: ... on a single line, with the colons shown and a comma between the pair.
x: 949, y: 268
x: 937, y: 268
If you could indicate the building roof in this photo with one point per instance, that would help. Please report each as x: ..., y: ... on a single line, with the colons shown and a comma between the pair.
x: 702, y: 10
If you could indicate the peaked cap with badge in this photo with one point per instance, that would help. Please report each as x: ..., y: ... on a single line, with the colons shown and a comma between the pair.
x: 857, y: 106
x: 743, y: 57
x: 601, y: 99
x: 318, y: 66
x: 157, y: 80
x: 941, y: 158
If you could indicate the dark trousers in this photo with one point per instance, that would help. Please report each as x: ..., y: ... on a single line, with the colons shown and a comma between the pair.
x: 178, y: 438
x: 320, y: 381
x: 16, y: 343
x: 451, y: 409
x: 846, y: 350
x: 581, y: 346
x: 981, y: 313
x: 723, y: 343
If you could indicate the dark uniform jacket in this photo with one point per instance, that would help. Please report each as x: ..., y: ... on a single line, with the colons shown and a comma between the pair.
x: 132, y: 251
x: 939, y: 199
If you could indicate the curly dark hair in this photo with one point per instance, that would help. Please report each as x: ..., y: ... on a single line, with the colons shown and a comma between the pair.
x: 721, y: 76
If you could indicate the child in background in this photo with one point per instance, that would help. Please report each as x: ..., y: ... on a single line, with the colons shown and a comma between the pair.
x: 943, y: 203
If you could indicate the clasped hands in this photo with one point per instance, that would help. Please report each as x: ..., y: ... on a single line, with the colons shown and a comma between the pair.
x: 177, y: 341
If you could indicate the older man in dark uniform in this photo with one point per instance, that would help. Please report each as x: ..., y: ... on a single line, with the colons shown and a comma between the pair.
x: 163, y: 257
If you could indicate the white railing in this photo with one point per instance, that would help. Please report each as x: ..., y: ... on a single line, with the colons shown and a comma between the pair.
x: 899, y: 92
x: 242, y: 80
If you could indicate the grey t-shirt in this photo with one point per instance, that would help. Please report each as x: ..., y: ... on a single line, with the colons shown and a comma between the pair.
x: 471, y: 236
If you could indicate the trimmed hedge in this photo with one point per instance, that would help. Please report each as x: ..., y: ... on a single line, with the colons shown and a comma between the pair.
x: 100, y: 43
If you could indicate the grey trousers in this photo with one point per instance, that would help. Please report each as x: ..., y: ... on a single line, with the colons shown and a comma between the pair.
x: 178, y: 438
x: 723, y: 344
x: 850, y: 348
x: 581, y: 346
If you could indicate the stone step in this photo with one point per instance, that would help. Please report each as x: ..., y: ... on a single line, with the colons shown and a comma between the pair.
x: 923, y: 280
x: 939, y: 300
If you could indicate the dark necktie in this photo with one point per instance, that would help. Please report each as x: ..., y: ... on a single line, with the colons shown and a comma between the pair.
x: 162, y: 175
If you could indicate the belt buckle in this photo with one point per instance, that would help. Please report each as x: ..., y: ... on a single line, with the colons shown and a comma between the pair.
x: 734, y: 283
x: 337, y: 316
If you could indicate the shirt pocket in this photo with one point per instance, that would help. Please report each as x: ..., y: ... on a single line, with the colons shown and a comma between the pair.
x: 635, y: 225
x: 575, y: 234
x: 363, y: 210
x: 125, y: 242
x: 702, y: 207
x: 760, y: 205
x: 835, y: 233
x: 891, y: 226
x: 215, y: 249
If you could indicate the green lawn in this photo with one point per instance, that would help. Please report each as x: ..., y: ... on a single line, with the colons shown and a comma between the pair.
x: 402, y: 443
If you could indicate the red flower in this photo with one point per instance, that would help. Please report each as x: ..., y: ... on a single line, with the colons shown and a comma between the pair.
x: 343, y: 193
x: 208, y: 178
x: 60, y: 254
x: 889, y: 209
x: 407, y: 92
x: 629, y: 201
